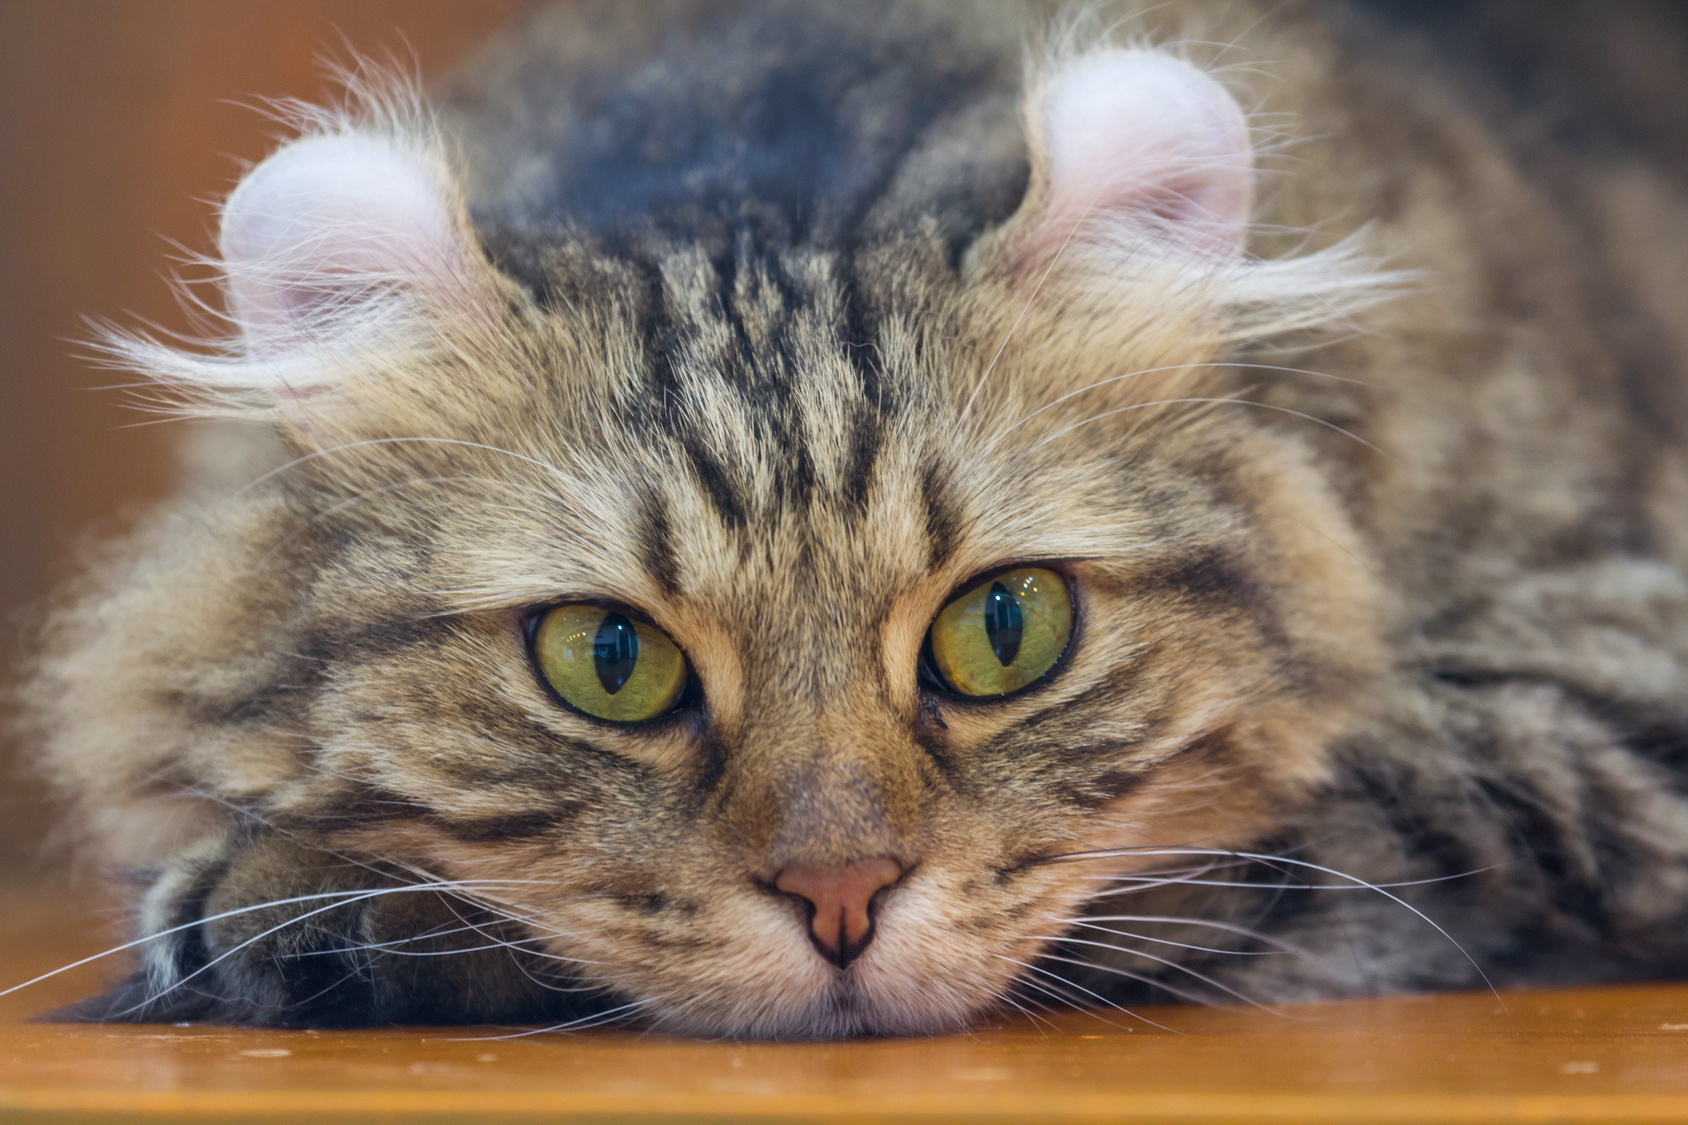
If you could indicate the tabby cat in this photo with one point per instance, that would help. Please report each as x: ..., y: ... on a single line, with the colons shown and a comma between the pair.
x: 777, y: 519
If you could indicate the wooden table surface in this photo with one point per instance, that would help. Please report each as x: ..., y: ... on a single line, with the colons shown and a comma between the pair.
x: 1615, y: 1054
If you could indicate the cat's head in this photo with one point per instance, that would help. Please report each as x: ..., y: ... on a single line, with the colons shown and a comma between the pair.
x: 767, y: 626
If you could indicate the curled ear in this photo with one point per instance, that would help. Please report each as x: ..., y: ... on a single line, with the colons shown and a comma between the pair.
x: 1135, y: 147
x: 340, y: 232
x: 350, y: 272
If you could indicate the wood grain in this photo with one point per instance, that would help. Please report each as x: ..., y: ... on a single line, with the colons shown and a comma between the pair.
x: 1612, y: 1054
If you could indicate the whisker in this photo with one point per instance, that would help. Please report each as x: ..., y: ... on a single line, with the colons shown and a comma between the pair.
x: 1203, y: 977
x: 1151, y: 884
x: 1096, y: 995
x: 1064, y: 997
x: 1298, y: 886
x: 1244, y: 859
x: 1046, y: 990
x: 1002, y: 997
x: 1140, y: 978
x: 426, y: 877
x: 596, y: 1019
x: 522, y: 964
x: 378, y: 892
x: 140, y: 941
x: 1241, y: 931
x: 1166, y: 941
x: 1193, y: 869
x: 392, y: 947
x: 1354, y: 881
x: 1190, y: 871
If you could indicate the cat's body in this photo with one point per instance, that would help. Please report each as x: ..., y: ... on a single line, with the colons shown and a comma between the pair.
x: 778, y: 326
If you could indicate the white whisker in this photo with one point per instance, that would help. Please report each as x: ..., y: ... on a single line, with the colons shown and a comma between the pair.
x: 1353, y: 882
x: 1082, y: 924
x: 342, y: 896
x: 1140, y: 978
x: 596, y: 1019
x: 1203, y: 977
x: 1095, y: 995
x: 1241, y: 931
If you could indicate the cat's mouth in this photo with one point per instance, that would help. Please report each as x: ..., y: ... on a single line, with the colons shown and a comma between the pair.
x: 912, y: 972
x: 812, y: 962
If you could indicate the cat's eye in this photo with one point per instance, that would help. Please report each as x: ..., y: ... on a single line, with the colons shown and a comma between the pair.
x: 1003, y: 633
x: 607, y: 664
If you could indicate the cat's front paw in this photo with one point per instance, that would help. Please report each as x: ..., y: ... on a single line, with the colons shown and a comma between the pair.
x: 271, y: 933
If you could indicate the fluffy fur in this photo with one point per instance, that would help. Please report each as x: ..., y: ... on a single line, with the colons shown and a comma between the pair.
x: 769, y: 322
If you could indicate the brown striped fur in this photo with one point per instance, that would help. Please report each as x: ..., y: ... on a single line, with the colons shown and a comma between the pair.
x: 1412, y: 607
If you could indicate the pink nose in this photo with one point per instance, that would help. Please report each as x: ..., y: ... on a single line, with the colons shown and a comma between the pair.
x: 842, y: 897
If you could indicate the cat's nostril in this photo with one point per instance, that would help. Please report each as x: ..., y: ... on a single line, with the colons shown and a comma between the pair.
x: 842, y: 924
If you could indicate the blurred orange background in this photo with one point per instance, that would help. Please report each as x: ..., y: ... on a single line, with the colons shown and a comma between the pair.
x: 121, y: 124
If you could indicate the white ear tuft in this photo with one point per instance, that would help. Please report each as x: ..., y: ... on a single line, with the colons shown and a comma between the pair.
x: 1140, y: 138
x: 331, y: 223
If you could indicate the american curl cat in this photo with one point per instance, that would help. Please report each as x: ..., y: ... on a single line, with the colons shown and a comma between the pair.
x: 802, y: 519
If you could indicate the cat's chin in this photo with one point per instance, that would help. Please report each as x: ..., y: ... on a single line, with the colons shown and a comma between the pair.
x: 847, y: 1006
x: 910, y: 981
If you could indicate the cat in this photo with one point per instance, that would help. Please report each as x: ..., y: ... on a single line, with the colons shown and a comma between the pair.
x: 787, y: 520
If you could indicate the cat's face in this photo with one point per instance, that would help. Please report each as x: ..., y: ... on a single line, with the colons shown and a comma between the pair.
x: 796, y: 542
x: 684, y: 438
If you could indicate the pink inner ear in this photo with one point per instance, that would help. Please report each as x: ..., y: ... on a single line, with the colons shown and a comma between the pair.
x: 1145, y: 138
x: 327, y: 221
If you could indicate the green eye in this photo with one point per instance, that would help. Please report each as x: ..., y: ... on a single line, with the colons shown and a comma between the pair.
x: 607, y: 664
x: 1004, y: 633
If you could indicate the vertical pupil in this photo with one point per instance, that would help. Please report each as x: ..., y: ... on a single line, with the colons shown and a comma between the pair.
x: 616, y: 649
x: 1003, y: 623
